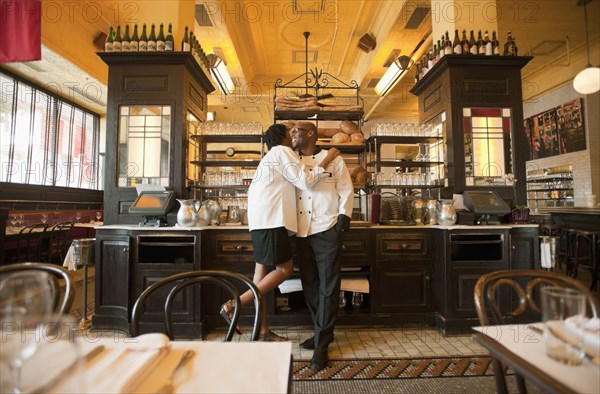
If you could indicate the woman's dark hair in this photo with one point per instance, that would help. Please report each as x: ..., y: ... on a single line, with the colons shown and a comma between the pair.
x: 275, y: 135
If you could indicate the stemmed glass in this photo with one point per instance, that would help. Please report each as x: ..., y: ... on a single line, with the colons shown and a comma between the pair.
x: 44, y: 218
x: 13, y: 221
x: 98, y: 216
x: 26, y: 297
x: 78, y: 216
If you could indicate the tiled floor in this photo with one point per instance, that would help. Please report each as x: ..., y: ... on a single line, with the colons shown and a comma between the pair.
x: 378, y: 343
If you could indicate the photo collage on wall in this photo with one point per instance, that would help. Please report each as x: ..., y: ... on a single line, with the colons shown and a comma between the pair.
x: 557, y: 131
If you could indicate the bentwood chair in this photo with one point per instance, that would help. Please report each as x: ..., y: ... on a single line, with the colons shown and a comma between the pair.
x: 525, y: 284
x: 178, y: 282
x: 63, y: 299
x: 57, y: 243
x: 28, y: 246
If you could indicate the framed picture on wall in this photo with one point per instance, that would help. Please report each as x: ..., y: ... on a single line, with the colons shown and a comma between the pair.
x: 544, y: 135
x: 571, y: 129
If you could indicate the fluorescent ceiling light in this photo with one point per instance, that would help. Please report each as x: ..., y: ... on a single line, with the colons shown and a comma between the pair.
x: 220, y: 74
x: 393, y: 74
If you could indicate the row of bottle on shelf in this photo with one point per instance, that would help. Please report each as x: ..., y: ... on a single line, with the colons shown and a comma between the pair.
x: 482, y: 46
x: 115, y: 42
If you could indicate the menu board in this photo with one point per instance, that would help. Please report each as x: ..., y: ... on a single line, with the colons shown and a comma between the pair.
x: 556, y: 131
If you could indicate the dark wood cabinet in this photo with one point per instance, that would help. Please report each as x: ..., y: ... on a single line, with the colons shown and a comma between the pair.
x: 524, y: 248
x: 113, y: 295
x: 403, y: 274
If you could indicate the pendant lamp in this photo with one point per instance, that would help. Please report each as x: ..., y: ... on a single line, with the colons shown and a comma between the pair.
x: 588, y: 80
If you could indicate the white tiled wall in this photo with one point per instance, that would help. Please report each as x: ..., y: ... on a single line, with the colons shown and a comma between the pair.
x: 586, y: 163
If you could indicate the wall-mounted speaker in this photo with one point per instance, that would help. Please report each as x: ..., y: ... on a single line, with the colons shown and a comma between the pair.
x: 367, y: 43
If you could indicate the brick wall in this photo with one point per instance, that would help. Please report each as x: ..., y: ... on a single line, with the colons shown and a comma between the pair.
x: 586, y: 163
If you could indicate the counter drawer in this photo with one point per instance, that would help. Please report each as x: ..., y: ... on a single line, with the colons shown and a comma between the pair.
x: 226, y: 247
x: 356, y: 245
x: 411, y: 246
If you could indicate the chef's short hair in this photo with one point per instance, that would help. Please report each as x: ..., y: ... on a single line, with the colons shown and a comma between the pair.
x: 275, y: 135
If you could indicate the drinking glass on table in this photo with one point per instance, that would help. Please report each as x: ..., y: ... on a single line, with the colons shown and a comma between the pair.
x: 98, y: 216
x: 561, y: 307
x: 13, y: 221
x: 44, y: 218
x: 78, y: 216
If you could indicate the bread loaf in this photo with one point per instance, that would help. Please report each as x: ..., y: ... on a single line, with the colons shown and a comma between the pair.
x: 359, y: 176
x: 340, y: 138
x: 357, y: 138
x: 349, y: 127
x: 327, y: 133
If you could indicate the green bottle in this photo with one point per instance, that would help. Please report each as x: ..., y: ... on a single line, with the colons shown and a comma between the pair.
x: 152, y: 40
x: 185, y: 42
x: 126, y: 43
x: 135, y: 40
x: 160, y: 40
x: 108, y: 44
x: 169, y: 41
x: 143, y: 43
x: 117, y: 40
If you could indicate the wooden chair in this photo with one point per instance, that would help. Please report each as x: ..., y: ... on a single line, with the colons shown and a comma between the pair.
x: 224, y: 279
x: 488, y: 299
x: 58, y: 242
x: 62, y: 299
x: 28, y: 245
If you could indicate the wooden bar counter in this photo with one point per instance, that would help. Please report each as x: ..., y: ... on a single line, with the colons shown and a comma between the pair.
x: 416, y: 274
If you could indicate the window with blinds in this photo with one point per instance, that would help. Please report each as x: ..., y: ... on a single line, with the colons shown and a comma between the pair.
x: 45, y: 140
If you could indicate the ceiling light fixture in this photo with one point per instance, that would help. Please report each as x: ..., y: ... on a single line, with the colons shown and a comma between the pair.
x: 588, y: 80
x: 220, y: 74
x: 393, y: 74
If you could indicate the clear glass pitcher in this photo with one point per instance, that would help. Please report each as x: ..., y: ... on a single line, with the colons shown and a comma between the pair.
x: 187, y: 215
x: 446, y: 213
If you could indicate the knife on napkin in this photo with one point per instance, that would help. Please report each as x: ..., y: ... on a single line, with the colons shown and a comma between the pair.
x: 65, y: 372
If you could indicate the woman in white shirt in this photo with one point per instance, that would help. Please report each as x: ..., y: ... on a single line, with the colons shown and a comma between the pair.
x: 272, y: 215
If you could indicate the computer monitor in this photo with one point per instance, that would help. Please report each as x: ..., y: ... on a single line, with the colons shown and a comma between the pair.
x: 485, y: 202
x: 154, y: 206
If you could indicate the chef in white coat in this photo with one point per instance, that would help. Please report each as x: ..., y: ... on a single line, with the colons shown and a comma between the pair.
x: 324, y: 212
x: 272, y: 215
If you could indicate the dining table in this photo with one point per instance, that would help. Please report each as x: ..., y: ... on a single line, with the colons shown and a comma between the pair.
x: 144, y: 364
x: 521, y: 347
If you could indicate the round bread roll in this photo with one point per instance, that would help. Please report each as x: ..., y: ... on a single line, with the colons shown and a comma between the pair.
x: 357, y: 138
x: 340, y: 138
x: 349, y: 127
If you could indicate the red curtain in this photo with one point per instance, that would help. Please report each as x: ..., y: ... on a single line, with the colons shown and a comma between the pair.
x: 20, y: 30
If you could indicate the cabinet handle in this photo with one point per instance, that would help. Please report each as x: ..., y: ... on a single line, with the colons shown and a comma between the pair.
x: 404, y: 246
x: 427, y: 277
x: 126, y: 249
x: 240, y: 247
x: 514, y: 247
x: 343, y: 247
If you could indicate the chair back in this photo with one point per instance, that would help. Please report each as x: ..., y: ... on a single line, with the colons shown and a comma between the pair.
x: 525, y: 284
x: 59, y: 242
x: 29, y: 242
x: 224, y: 279
x: 63, y: 299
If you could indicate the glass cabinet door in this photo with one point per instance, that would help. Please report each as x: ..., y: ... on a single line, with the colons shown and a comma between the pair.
x: 144, y: 145
x: 487, y: 139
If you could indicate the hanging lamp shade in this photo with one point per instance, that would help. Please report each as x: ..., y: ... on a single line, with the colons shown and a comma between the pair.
x: 587, y: 81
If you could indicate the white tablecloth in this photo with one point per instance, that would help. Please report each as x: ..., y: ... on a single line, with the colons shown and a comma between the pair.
x: 529, y: 345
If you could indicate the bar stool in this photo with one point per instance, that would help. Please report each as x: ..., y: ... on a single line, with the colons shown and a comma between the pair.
x: 566, y: 251
x: 592, y: 239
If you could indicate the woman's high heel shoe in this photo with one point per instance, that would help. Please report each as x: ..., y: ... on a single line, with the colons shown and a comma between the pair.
x: 227, y: 314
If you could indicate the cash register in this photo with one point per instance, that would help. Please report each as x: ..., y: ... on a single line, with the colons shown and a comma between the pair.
x: 486, y: 205
x: 154, y: 207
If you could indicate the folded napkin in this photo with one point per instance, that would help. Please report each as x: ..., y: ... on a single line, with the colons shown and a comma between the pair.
x: 123, y: 368
x: 359, y: 285
x: 587, y: 328
x: 546, y: 255
x: 290, y: 286
x: 69, y: 262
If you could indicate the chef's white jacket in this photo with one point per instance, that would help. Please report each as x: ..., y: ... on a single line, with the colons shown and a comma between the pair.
x: 272, y: 193
x: 319, y: 207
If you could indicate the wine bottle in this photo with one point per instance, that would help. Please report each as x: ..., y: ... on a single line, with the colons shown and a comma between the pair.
x: 160, y: 40
x: 126, y: 43
x: 436, y: 53
x: 488, y: 51
x: 169, y: 41
x: 472, y: 44
x: 495, y: 44
x: 143, y: 43
x: 418, y: 73
x: 117, y: 40
x: 135, y: 40
x: 464, y: 43
x: 457, y: 48
x: 510, y: 48
x: 185, y: 42
x: 108, y: 44
x: 441, y: 45
x: 480, y: 44
x: 430, y: 60
x: 152, y: 39
x: 424, y: 64
x: 448, y: 45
